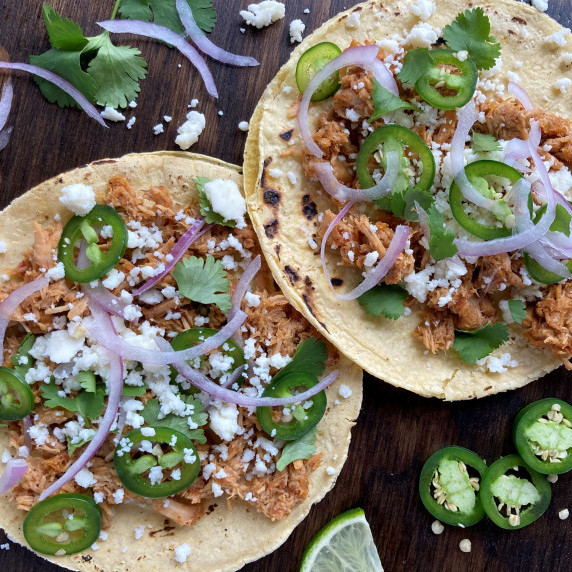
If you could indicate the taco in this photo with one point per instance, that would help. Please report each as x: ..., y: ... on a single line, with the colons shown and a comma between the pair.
x: 176, y: 472
x: 454, y: 314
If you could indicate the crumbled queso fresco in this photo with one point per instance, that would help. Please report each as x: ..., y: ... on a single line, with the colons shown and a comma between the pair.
x: 226, y: 199
x: 190, y: 130
x: 263, y: 14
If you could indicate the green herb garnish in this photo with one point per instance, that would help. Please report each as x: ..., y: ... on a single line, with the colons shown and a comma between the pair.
x: 475, y: 345
x: 302, y: 448
x: 386, y: 299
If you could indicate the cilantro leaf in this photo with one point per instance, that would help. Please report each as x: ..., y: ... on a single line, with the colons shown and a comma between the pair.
x: 309, y: 358
x: 23, y: 352
x: 203, y: 280
x: 89, y: 405
x: 116, y: 71
x: 63, y: 33
x: 561, y: 221
x: 441, y: 239
x: 415, y: 64
x: 151, y: 415
x: 134, y: 390
x: 206, y: 207
x: 471, y: 32
x: 473, y: 346
x: 72, y: 447
x: 484, y: 142
x: 385, y: 102
x: 86, y: 380
x: 302, y: 448
x: 386, y: 299
x: 164, y: 13
x: 518, y: 310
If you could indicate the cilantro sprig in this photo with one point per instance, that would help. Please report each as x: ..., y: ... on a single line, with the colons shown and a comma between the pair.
x: 485, y: 143
x: 89, y: 405
x: 441, y: 239
x: 386, y: 299
x: 106, y: 74
x: 203, y: 280
x: 310, y: 357
x: 385, y: 102
x: 302, y: 448
x: 22, y: 360
x: 475, y: 345
x: 517, y: 310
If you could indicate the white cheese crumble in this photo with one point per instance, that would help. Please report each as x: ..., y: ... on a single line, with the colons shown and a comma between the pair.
x: 167, y: 118
x: 85, y: 478
x: 541, y: 5
x: 182, y: 552
x: 297, y: 28
x: 225, y: 199
x: 139, y: 531
x: 158, y: 129
x: 465, y: 545
x: 224, y: 421
x: 217, y: 489
x: 113, y: 279
x: 371, y: 258
x: 331, y: 471
x: 353, y: 21
x: 118, y: 496
x: 147, y: 431
x: 253, y: 300
x: 558, y: 39
x: 437, y: 527
x: 564, y: 514
x: 57, y: 272
x: 3, y: 247
x: 244, y: 126
x: 131, y: 122
x: 263, y: 14
x: 423, y: 9
x: 190, y: 130
x: 112, y: 114
x: 498, y: 364
x: 344, y: 391
x: 78, y: 198
x: 422, y: 35
x: 562, y: 84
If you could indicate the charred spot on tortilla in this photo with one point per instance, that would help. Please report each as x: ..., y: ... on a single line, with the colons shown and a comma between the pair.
x: 271, y: 197
x: 337, y: 282
x: 292, y: 274
x: 271, y: 228
x: 86, y: 557
x: 308, y: 282
x: 287, y: 135
x: 267, y: 163
x: 306, y: 299
x: 518, y: 20
x: 211, y: 508
x: 309, y: 207
x: 488, y: 388
x: 277, y: 249
x: 166, y: 530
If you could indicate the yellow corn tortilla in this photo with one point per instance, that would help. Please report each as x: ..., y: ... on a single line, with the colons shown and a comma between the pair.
x: 284, y: 222
x: 227, y: 538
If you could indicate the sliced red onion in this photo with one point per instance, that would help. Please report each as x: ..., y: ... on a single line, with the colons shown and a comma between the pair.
x: 521, y: 95
x: 111, y: 303
x: 234, y: 376
x: 13, y: 472
x: 467, y: 118
x: 5, y: 137
x: 203, y: 383
x: 362, y: 56
x: 151, y: 30
x: 182, y: 245
x: 15, y: 298
x: 99, y: 329
x: 242, y: 286
x: 325, y: 173
x: 6, y: 102
x: 204, y: 44
x: 546, y: 260
x: 121, y: 420
x: 115, y: 387
x: 61, y: 83
x: 423, y: 220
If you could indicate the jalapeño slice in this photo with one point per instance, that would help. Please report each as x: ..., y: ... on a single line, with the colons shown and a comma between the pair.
x: 511, y: 500
x: 539, y: 273
x: 63, y: 524
x: 101, y: 261
x: 311, y: 62
x: 479, y: 170
x: 293, y: 421
x: 542, y: 434
x: 157, y: 465
x: 441, y: 88
x: 16, y: 397
x: 396, y: 137
x: 447, y: 489
x: 194, y: 336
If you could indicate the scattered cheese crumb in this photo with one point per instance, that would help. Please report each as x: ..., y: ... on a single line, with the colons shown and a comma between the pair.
x: 331, y: 471
x: 167, y: 118
x: 465, y: 545
x: 112, y: 114
x: 564, y: 514
x: 244, y: 126
x: 190, y: 131
x: 225, y: 199
x: 139, y: 531
x: 182, y: 552
x: 540, y: 5
x: 437, y: 527
x: 264, y: 13
x: 423, y: 9
x: 558, y: 39
x: 131, y: 122
x: 344, y: 391
x: 297, y: 28
x: 562, y: 84
x: 353, y: 21
x: 79, y: 198
x: 157, y: 129
x: 3, y: 247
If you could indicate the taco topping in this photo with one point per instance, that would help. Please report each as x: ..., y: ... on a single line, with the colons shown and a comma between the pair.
x: 175, y: 370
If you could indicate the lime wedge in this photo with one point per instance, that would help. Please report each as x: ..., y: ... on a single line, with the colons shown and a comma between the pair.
x: 345, y: 544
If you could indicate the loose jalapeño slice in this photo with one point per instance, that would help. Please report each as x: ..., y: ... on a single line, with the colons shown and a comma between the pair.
x: 311, y: 62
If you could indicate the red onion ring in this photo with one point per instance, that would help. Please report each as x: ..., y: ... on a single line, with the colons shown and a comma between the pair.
x: 15, y: 298
x: 5, y: 137
x: 61, y: 83
x: 362, y: 56
x: 101, y: 332
x: 548, y: 262
x: 523, y: 98
x: 13, y: 472
x: 423, y: 220
x: 115, y: 384
x: 203, y: 383
x: 204, y: 44
x: 111, y: 303
x: 150, y: 30
x: 182, y: 245
x: 6, y: 101
x: 325, y: 173
x: 235, y: 375
x: 242, y: 286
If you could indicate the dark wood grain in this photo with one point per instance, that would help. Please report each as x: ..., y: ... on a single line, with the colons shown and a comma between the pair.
x: 397, y: 430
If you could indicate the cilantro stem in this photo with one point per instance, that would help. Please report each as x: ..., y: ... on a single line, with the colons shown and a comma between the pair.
x: 115, y: 9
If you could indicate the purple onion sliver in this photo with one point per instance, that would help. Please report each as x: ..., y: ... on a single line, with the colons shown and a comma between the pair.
x: 6, y: 102
x: 521, y: 95
x: 423, y: 220
x: 5, y: 137
x: 13, y: 472
x: 546, y: 260
x: 234, y: 376
x: 115, y: 385
x: 61, y: 83
x: 102, y: 333
x: 242, y: 285
x: 342, y: 193
x: 204, y: 44
x: 182, y: 245
x: 151, y: 30
x: 111, y: 303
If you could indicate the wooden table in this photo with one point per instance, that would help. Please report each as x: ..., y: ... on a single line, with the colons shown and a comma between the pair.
x: 396, y: 430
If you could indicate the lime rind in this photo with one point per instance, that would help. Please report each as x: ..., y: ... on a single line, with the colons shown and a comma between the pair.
x: 345, y: 544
